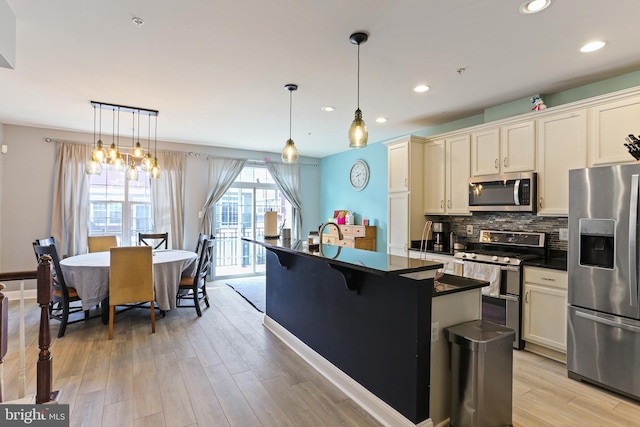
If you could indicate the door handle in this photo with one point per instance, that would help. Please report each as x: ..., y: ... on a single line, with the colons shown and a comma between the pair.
x: 448, y: 204
x: 495, y: 163
x: 633, y: 244
x: 540, y: 202
x: 441, y: 203
x: 609, y: 322
x: 406, y: 181
x: 504, y: 162
x: 526, y: 297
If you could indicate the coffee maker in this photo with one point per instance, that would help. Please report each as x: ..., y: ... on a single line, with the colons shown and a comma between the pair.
x: 441, y: 236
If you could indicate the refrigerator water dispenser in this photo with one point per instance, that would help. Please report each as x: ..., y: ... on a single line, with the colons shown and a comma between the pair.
x: 597, y: 243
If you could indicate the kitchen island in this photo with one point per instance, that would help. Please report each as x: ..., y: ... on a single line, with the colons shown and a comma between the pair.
x: 361, y: 318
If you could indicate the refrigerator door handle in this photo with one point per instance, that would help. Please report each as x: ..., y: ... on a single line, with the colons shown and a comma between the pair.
x: 516, y: 192
x: 633, y: 243
x: 616, y: 324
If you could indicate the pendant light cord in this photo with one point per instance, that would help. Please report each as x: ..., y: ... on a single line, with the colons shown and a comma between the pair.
x: 290, y: 114
x: 358, y: 76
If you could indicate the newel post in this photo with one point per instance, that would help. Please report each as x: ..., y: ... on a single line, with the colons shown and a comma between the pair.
x: 45, y: 361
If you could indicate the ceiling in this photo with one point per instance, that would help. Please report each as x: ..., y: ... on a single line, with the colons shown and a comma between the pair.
x: 216, y: 70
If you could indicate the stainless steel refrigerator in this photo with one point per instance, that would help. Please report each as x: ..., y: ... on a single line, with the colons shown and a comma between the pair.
x: 603, y: 335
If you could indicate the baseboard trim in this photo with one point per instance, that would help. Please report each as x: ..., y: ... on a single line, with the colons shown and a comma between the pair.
x: 363, y: 397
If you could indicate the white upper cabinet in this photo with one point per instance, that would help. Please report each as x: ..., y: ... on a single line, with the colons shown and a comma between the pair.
x: 485, y: 152
x: 611, y: 122
x: 398, y: 167
x: 518, y: 143
x: 446, y: 175
x: 561, y: 146
x: 509, y: 148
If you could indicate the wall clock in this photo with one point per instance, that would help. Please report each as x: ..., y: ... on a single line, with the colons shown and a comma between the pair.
x: 359, y: 175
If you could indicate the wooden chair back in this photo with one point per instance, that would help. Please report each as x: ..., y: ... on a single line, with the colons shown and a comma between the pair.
x: 60, y: 290
x: 48, y: 241
x: 131, y: 280
x: 154, y: 239
x: 101, y: 243
x: 202, y: 238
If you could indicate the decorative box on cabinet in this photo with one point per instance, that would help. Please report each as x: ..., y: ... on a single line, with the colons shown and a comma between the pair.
x: 353, y: 236
x: 544, y: 326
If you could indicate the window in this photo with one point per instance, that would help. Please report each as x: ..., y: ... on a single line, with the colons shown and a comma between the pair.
x: 240, y: 213
x: 119, y: 207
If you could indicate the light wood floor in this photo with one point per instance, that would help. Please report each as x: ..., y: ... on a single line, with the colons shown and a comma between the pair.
x: 226, y: 369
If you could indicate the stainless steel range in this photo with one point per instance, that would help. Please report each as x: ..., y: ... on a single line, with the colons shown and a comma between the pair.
x: 498, y: 258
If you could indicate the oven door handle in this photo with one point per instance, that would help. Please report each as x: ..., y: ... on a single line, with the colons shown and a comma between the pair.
x: 508, y: 297
x: 509, y: 268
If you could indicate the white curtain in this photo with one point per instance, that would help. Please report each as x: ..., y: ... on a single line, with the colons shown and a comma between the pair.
x: 222, y: 173
x: 70, y: 198
x: 167, y: 198
x: 287, y: 178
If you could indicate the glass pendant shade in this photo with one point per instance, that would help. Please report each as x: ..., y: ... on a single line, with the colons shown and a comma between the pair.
x: 290, y: 152
x: 358, y: 134
x: 112, y: 154
x: 138, y: 152
x: 93, y: 166
x: 119, y: 164
x: 132, y: 171
x: 100, y: 154
x: 147, y: 163
x: 155, y: 169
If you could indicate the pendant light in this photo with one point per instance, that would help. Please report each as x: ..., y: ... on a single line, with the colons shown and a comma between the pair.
x: 290, y: 152
x: 99, y: 152
x: 112, y: 153
x: 118, y: 162
x: 132, y: 171
x: 155, y: 169
x: 138, y: 152
x: 93, y: 166
x: 147, y: 162
x: 358, y: 134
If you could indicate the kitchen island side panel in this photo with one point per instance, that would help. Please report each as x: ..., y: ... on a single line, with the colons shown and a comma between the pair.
x: 380, y: 336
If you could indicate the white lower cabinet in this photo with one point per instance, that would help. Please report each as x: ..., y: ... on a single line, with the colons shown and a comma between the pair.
x: 545, y: 309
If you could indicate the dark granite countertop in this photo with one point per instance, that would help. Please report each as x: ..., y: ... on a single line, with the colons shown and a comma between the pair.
x: 555, y: 260
x: 451, y: 284
x: 356, y: 259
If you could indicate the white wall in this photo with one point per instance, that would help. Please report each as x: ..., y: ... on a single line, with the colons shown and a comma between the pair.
x: 26, y: 186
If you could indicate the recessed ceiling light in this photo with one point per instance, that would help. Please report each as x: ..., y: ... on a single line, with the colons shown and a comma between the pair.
x: 534, y: 6
x: 592, y: 46
x: 421, y: 88
x: 328, y: 108
x: 381, y: 120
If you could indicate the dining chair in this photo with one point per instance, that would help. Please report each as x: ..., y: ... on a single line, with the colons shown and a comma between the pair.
x: 46, y: 242
x: 62, y: 296
x: 195, y: 287
x: 158, y: 239
x: 202, y: 238
x: 131, y: 280
x: 101, y: 243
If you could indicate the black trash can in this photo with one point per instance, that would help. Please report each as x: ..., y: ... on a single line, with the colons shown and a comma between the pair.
x: 481, y: 374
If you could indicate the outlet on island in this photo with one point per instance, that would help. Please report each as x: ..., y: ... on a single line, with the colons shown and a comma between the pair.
x: 469, y: 230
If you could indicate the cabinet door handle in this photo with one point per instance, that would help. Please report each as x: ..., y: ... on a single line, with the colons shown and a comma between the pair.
x: 441, y: 203
x: 548, y: 279
x: 448, y: 204
x: 406, y: 182
x: 495, y: 164
x: 504, y: 162
x: 540, y: 202
x: 526, y: 297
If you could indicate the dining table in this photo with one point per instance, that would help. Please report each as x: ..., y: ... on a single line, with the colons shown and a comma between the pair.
x: 89, y: 275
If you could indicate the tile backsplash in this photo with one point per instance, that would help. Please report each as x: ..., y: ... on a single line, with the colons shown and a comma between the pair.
x: 508, y: 221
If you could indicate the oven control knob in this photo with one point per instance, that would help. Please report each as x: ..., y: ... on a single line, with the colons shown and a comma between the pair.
x: 507, y: 259
x: 494, y: 258
x: 471, y: 256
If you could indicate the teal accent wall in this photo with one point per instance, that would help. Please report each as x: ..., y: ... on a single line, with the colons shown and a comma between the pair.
x: 336, y: 192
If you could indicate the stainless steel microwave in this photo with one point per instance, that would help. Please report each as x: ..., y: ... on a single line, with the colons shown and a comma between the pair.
x: 508, y: 192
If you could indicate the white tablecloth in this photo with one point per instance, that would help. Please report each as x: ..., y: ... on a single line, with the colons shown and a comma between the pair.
x: 89, y: 275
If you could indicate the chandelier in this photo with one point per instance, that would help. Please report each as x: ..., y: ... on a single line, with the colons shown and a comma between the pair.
x: 121, y: 161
